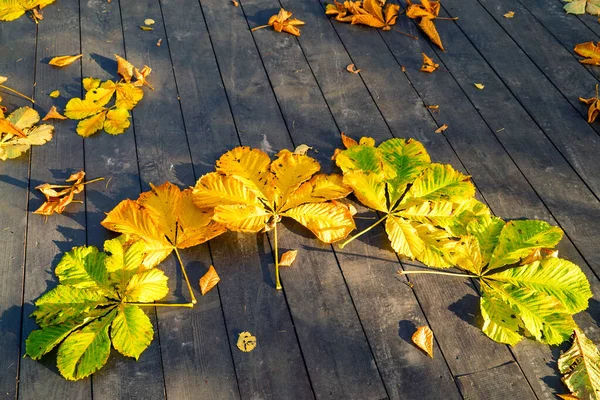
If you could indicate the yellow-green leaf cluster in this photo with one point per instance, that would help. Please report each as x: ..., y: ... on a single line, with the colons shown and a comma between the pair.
x: 18, y: 132
x: 580, y: 366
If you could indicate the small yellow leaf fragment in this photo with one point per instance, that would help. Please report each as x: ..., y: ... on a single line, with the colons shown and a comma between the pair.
x: 63, y: 61
x: 352, y: 68
x: 434, y: 107
x: 159, y: 42
x: 3, y: 79
x: 235, y: 3
x: 479, y: 86
x: 567, y: 397
x: 209, y: 280
x: 146, y: 28
x: 441, y: 128
x: 288, y: 258
x: 428, y: 64
x: 246, y: 342
x: 53, y: 114
x: 302, y: 149
x: 403, y: 68
x: 149, y: 21
x: 509, y: 14
x: 423, y: 338
x: 54, y: 94
x: 90, y: 83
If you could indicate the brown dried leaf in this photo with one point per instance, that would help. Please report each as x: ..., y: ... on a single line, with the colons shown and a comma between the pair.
x: 594, y: 109
x: 282, y: 21
x: 430, y: 30
x: 159, y: 42
x: 434, y: 107
x: 53, y: 114
x: 352, y: 68
x: 589, y: 50
x: 441, y: 128
x: 124, y: 68
x: 235, y: 3
x: 246, y: 342
x: 348, y: 141
x: 428, y: 64
x: 57, y: 200
x: 63, y: 61
x: 368, y: 12
x: 423, y: 338
x: 288, y: 258
x: 209, y: 280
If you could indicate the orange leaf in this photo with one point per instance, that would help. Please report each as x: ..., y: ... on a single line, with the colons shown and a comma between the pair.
x: 53, y: 114
x: 590, y: 51
x: 288, y: 258
x: 348, y: 141
x: 282, y: 22
x: 430, y: 30
x: 594, y: 109
x: 423, y: 338
x: 209, y: 280
x: 124, y: 68
x: 352, y: 68
x: 7, y: 127
x: 428, y: 64
x: 509, y: 14
x: 58, y: 197
x: 441, y: 128
x: 63, y: 61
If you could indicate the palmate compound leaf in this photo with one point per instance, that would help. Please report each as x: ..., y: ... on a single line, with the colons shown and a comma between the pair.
x: 423, y: 202
x: 164, y: 219
x: 521, y: 293
x: 13, y: 9
x: 18, y: 132
x: 580, y: 366
x: 97, y: 301
x: 373, y: 13
x: 249, y: 193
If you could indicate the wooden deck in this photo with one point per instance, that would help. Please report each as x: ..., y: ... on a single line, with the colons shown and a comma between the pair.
x: 341, y: 327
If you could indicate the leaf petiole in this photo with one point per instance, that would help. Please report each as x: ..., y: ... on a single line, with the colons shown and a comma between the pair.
x: 258, y: 27
x: 187, y: 281
x: 277, y: 281
x: 437, y: 273
x: 188, y: 305
x: 17, y: 93
x: 342, y: 245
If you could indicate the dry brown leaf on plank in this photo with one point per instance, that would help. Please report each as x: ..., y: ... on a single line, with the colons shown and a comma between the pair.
x: 373, y: 13
x: 352, y: 68
x: 594, y: 109
x: 283, y: 21
x: 288, y: 258
x: 58, y: 197
x: 428, y: 64
x: 209, y: 280
x: 590, y: 51
x: 430, y: 30
x: 246, y: 342
x: 63, y: 61
x: 423, y: 338
x: 441, y: 128
x: 53, y: 114
x: 427, y: 11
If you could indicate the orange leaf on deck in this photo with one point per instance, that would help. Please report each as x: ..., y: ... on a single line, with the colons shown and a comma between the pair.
x: 423, y: 338
x: 589, y: 50
x: 441, y: 128
x: 347, y: 141
x: 63, y: 61
x: 352, y: 68
x: 594, y: 109
x: 428, y: 64
x: 430, y: 30
x: 58, y: 197
x: 53, y: 114
x: 283, y: 22
x: 288, y: 258
x: 124, y: 68
x: 209, y: 280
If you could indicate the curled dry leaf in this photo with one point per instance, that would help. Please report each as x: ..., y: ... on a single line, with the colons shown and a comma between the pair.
x: 58, y: 197
x: 18, y: 132
x: 13, y: 9
x: 426, y: 12
x: 63, y: 61
x: 288, y: 258
x: 283, y: 21
x: 209, y: 280
x: 373, y: 13
x: 53, y: 114
x: 590, y: 51
x: 246, y: 342
x: 149, y: 21
x: 352, y: 68
x: 428, y: 64
x: 509, y: 14
x: 302, y: 149
x: 479, y: 86
x: 594, y: 106
x: 441, y: 128
x: 128, y: 72
x: 434, y: 107
x: 423, y: 339
x: 159, y: 42
x: 146, y: 28
x: 580, y: 366
x: 235, y: 3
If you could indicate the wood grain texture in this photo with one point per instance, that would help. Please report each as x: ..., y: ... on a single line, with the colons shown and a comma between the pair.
x: 496, y: 383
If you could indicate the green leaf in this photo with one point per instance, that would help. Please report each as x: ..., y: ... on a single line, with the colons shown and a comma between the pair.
x: 85, y: 350
x: 556, y: 277
x: 580, y: 366
x: 487, y: 232
x: 82, y: 267
x: 440, y: 183
x: 65, y: 303
x: 131, y: 331
x: 518, y: 239
x: 122, y: 257
x: 147, y: 286
x: 40, y: 342
x: 500, y: 320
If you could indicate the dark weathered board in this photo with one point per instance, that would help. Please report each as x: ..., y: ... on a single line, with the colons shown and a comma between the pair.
x: 494, y: 383
x: 53, y: 162
x: 115, y: 159
x: 17, y: 62
x: 211, y: 131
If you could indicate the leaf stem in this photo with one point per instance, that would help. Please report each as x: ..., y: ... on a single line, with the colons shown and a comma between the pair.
x: 187, y: 281
x: 447, y: 18
x: 437, y: 273
x: 258, y: 27
x: 406, y: 34
x: 187, y: 305
x: 17, y: 93
x: 92, y: 181
x: 277, y: 281
x: 342, y: 245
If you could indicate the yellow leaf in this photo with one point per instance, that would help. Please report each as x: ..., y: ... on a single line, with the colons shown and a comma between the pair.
x: 128, y: 95
x: 146, y: 28
x: 589, y: 50
x: 63, y: 61
x: 90, y: 83
x: 89, y: 126
x: 479, y: 86
x: 58, y: 197
x: 329, y: 221
x: 430, y: 30
x: 7, y: 127
x: 3, y: 79
x: 352, y: 68
x: 79, y: 109
x: 594, y: 106
x: 209, y: 280
x: 282, y: 21
x: 347, y: 141
x: 428, y: 64
x: 53, y: 114
x: 124, y: 68
x: 149, y: 21
x: 117, y: 121
x: 246, y: 342
x: 509, y: 14
x: 423, y: 338
x: 141, y: 76
x: 13, y: 9
x: 54, y: 94
x: 441, y: 128
x: 288, y: 258
x: 18, y: 132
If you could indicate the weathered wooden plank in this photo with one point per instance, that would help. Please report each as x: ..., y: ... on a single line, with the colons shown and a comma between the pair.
x: 17, y: 58
x: 337, y: 378
x: 115, y: 159
x: 55, y: 161
x: 562, y: 123
x: 191, y: 367
x: 295, y: 87
x: 494, y: 383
